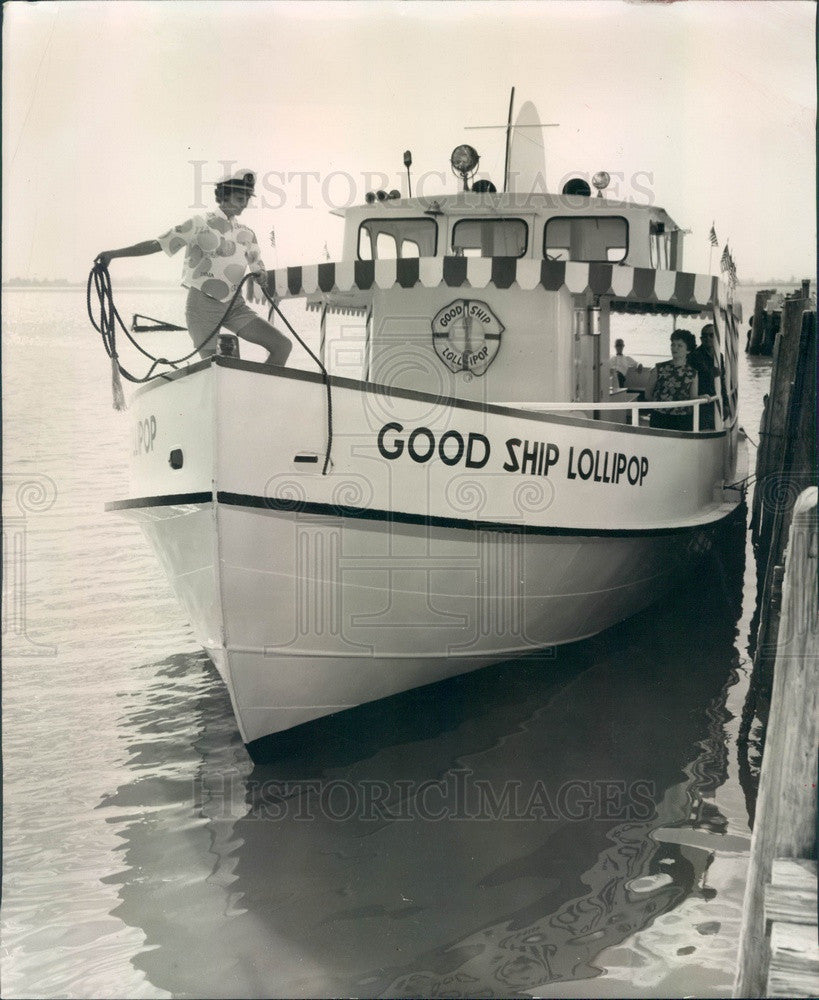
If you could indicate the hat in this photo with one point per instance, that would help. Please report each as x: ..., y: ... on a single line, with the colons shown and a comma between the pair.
x: 239, y: 180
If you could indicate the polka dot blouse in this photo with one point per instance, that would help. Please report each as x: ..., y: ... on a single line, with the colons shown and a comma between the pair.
x: 217, y: 251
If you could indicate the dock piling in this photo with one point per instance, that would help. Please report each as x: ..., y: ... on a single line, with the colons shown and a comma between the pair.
x: 785, y: 822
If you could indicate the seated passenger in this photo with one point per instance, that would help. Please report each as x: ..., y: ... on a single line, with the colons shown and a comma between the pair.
x: 620, y: 363
x: 676, y: 379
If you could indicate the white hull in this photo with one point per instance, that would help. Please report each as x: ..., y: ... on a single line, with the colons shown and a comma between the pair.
x: 313, y: 625
x: 311, y: 598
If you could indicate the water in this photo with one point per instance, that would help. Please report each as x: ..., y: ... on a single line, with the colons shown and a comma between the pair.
x: 594, y: 836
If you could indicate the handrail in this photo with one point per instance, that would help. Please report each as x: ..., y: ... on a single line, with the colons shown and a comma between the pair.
x: 592, y: 405
x: 632, y: 406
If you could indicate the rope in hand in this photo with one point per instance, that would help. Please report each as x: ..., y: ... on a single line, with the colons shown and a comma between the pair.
x: 109, y: 317
x: 106, y: 326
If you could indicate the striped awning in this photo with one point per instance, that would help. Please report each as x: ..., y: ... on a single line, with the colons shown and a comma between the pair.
x: 674, y: 289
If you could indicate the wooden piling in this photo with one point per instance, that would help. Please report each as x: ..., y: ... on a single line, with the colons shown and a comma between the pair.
x: 773, y: 322
x: 802, y: 434
x: 786, y: 654
x: 785, y: 467
x: 758, y: 326
x: 785, y: 823
x: 785, y: 463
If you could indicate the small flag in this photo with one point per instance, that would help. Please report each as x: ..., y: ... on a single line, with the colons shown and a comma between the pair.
x: 712, y: 236
x: 725, y: 259
x: 326, y: 251
x: 732, y: 272
x: 273, y: 238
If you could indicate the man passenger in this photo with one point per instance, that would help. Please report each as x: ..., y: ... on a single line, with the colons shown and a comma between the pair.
x: 620, y: 363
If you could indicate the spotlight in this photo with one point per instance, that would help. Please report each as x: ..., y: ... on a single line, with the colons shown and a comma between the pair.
x: 464, y: 162
x: 601, y: 181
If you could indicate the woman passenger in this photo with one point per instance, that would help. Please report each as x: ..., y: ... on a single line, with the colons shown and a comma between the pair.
x: 676, y: 379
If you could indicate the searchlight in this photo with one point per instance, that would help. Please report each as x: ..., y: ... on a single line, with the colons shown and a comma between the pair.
x: 464, y: 162
x: 601, y: 181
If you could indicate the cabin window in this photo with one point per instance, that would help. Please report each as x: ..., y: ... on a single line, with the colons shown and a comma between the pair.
x: 586, y: 238
x: 490, y: 238
x: 391, y: 239
x: 385, y: 246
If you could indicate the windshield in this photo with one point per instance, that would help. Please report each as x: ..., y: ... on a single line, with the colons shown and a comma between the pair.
x: 383, y: 239
x: 489, y: 238
x: 586, y: 238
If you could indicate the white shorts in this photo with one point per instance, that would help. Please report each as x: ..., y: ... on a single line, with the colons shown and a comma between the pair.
x: 203, y: 313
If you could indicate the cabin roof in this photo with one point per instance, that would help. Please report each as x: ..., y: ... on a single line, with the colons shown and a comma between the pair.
x: 506, y: 203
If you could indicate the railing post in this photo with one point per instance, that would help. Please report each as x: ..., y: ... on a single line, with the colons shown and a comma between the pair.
x: 593, y: 326
x: 696, y: 415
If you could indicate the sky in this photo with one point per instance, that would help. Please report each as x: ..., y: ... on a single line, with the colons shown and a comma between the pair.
x: 117, y: 117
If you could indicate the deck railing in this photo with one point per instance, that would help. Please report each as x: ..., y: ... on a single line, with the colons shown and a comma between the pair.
x: 631, y: 407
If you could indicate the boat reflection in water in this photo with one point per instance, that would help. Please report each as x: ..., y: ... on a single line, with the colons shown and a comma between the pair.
x: 347, y: 869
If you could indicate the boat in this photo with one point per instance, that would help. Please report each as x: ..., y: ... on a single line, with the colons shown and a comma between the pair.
x: 477, y: 491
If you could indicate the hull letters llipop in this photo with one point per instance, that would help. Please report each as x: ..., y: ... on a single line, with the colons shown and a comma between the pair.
x: 144, y: 435
x: 592, y: 466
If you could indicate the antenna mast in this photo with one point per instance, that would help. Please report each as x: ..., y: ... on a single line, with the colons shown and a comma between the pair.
x: 522, y: 127
x: 508, y: 141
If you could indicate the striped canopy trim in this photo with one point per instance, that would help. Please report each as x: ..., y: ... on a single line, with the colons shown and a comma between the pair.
x: 342, y: 308
x: 680, y: 289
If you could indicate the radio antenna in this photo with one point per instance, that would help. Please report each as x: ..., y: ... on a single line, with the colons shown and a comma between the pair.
x: 508, y: 141
x: 509, y: 128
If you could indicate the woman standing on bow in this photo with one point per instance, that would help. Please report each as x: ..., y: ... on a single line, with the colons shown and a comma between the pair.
x: 218, y: 251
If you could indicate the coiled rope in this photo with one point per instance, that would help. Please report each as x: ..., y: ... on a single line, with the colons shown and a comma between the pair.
x: 109, y: 317
x: 105, y: 323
